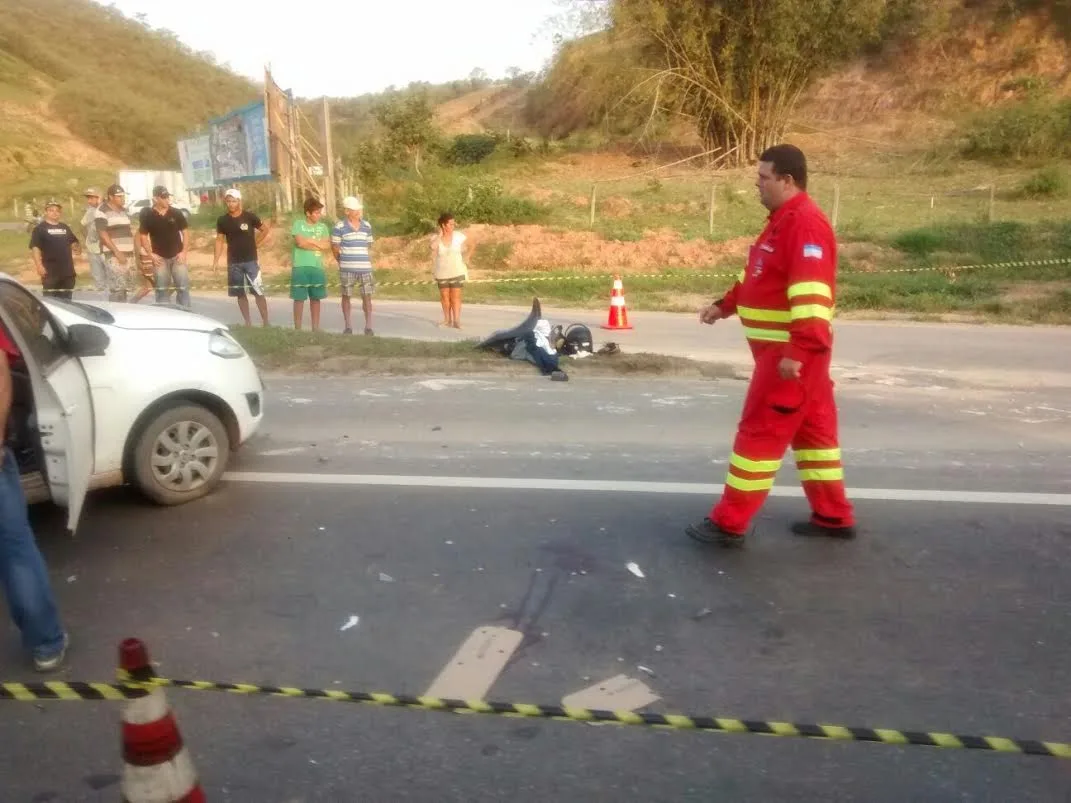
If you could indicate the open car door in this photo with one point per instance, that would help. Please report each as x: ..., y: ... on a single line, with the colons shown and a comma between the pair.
x: 61, y: 393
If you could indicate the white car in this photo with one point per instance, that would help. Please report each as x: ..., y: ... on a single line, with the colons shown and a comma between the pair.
x: 108, y: 394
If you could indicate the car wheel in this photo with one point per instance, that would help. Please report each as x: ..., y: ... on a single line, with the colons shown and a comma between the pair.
x: 181, y: 455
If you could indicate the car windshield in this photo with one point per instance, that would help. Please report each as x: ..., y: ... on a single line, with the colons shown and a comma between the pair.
x: 87, y: 311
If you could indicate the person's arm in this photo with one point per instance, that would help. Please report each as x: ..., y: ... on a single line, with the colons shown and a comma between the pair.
x: 812, y: 268
x: 184, y: 232
x: 6, y: 390
x: 724, y: 307
x: 336, y: 243
x: 72, y: 239
x: 38, y: 263
x: 263, y: 231
x: 221, y: 246
x: 107, y: 242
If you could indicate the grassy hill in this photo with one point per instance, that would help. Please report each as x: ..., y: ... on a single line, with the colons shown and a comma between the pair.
x: 56, y: 57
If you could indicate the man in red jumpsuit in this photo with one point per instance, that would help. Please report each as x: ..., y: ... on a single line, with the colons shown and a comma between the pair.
x: 785, y: 300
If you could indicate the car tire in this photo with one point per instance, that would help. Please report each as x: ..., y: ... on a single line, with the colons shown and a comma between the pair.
x: 180, y: 455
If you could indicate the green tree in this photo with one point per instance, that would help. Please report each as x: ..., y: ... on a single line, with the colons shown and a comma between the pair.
x: 409, y: 125
x: 738, y: 67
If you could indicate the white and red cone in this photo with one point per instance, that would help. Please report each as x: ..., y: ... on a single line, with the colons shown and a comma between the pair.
x: 156, y: 764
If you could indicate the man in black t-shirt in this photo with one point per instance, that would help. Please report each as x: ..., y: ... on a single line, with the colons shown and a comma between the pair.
x: 163, y: 232
x: 237, y: 231
x: 53, y: 246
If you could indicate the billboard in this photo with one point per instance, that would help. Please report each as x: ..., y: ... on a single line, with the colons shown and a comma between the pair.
x: 195, y: 157
x: 239, y: 145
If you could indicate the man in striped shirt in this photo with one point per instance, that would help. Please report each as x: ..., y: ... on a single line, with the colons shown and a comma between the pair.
x: 117, y: 243
x: 351, y: 241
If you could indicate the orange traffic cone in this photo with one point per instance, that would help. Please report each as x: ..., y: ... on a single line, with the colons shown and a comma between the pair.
x: 156, y: 764
x: 618, y: 317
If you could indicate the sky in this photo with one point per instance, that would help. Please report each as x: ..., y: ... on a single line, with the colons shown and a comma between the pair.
x: 346, y: 48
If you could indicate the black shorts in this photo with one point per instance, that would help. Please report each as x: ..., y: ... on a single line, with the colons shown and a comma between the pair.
x: 58, y: 286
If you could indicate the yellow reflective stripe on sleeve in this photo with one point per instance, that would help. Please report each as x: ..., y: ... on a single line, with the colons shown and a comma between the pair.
x: 776, y: 335
x: 767, y: 315
x: 810, y: 289
x: 749, y: 485
x: 811, y: 311
x: 816, y: 455
x: 740, y: 276
x: 821, y: 474
x: 744, y: 464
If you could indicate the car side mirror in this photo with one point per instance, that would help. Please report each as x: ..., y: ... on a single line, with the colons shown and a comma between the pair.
x: 86, y: 340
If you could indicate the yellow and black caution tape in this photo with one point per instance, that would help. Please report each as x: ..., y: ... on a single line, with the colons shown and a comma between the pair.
x: 948, y: 270
x: 130, y: 689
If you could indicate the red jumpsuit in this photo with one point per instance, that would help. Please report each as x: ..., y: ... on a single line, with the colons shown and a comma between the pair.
x: 785, y: 300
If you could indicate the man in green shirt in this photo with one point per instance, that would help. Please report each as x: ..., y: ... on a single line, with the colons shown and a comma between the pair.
x: 308, y: 279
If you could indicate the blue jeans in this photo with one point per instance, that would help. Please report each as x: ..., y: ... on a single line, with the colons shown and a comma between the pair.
x: 172, y: 272
x: 22, y: 570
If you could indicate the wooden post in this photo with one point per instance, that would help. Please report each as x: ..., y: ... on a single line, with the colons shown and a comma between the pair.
x: 713, y: 202
x: 297, y: 175
x: 329, y: 160
x: 990, y: 212
x: 70, y: 201
x: 15, y: 201
x: 592, y: 215
x: 836, y: 204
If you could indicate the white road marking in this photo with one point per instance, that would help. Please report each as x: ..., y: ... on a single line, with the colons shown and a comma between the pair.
x: 282, y: 452
x: 623, y: 486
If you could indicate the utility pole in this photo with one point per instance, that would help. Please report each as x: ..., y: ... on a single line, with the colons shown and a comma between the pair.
x: 329, y: 167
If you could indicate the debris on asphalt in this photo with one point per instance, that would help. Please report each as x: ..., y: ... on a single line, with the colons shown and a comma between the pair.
x: 636, y: 570
x: 436, y: 429
x: 645, y: 670
x: 449, y: 543
x: 702, y: 613
x: 658, y: 648
x: 72, y: 578
x: 385, y: 578
x: 671, y: 596
x: 351, y: 622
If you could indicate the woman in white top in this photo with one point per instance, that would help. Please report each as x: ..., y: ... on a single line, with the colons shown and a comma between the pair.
x: 450, y: 250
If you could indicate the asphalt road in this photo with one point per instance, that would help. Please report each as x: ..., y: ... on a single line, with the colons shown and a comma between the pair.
x: 921, y: 353
x: 942, y: 615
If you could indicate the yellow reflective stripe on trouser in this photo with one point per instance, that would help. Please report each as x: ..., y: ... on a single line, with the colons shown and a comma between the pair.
x: 734, y: 481
x: 757, y: 466
x: 812, y: 311
x: 810, y: 289
x: 821, y: 474
x: 776, y: 335
x: 770, y: 315
x: 816, y: 455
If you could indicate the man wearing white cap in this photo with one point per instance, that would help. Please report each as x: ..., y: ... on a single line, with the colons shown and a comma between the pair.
x: 237, y: 232
x: 351, y: 241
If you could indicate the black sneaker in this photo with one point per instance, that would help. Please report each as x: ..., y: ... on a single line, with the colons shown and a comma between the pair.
x: 347, y: 331
x: 369, y: 332
x: 810, y: 528
x: 707, y: 532
x: 559, y: 376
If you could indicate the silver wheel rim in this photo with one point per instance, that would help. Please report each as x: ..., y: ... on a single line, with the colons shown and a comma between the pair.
x: 184, y: 456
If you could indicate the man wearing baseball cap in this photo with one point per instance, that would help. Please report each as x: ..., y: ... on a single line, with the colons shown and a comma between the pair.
x: 163, y: 232
x: 51, y: 244
x: 237, y: 231
x: 351, y: 243
x: 92, y: 240
x: 117, y: 241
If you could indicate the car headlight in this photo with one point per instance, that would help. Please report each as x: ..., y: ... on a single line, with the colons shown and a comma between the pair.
x: 223, y: 345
